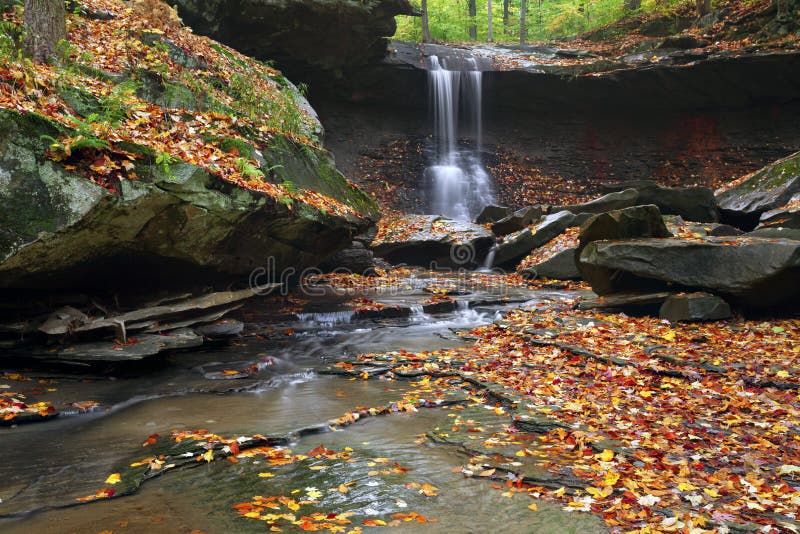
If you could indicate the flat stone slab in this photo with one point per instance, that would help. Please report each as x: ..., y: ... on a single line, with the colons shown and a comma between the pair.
x: 112, y: 351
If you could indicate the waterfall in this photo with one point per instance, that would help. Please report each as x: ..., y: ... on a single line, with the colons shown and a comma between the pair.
x: 459, y: 185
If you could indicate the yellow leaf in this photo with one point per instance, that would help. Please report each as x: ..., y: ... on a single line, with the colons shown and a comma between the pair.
x: 560, y: 491
x: 611, y: 478
x: 669, y: 336
x: 209, y: 455
x: 532, y: 506
x: 685, y: 486
x: 782, y: 374
x: 266, y: 475
x: 711, y: 492
x: 113, y: 478
x: 606, y: 456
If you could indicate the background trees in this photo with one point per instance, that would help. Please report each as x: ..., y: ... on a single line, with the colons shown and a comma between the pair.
x: 524, y: 20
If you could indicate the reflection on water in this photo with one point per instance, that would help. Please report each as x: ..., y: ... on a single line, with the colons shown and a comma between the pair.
x: 51, y: 464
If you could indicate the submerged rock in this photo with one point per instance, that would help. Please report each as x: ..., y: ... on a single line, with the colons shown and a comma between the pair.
x: 755, y: 272
x: 694, y: 307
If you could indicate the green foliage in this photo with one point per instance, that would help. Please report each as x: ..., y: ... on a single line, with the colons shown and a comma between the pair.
x: 290, y: 187
x: 248, y: 170
x: 164, y: 162
x: 449, y: 20
x: 119, y: 102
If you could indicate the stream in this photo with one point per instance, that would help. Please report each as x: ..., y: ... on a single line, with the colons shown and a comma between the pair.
x: 47, y: 466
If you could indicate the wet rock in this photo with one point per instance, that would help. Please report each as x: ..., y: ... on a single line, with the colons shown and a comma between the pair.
x: 427, y: 239
x: 692, y: 203
x: 723, y: 230
x: 492, y: 213
x: 769, y: 188
x: 694, y: 307
x: 517, y: 221
x: 114, y: 351
x: 755, y: 272
x: 354, y: 259
x: 518, y: 245
x: 223, y: 328
x: 562, y: 266
x: 63, y: 320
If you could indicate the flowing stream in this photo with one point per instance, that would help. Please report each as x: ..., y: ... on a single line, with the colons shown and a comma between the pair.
x: 48, y: 465
x: 459, y: 184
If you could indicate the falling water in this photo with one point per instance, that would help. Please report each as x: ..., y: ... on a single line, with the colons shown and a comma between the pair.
x: 460, y: 186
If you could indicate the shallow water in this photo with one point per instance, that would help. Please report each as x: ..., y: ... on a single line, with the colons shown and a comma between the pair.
x: 50, y: 464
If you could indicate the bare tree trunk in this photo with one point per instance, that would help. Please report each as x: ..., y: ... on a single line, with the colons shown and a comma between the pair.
x: 45, y: 25
x: 489, y: 37
x: 505, y: 16
x: 523, y: 7
x: 426, y: 32
x: 703, y: 7
x: 473, y: 12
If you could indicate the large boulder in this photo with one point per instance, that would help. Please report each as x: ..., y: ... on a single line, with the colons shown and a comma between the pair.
x: 628, y: 223
x: 432, y: 241
x: 325, y: 34
x: 354, y: 259
x: 692, y: 203
x: 756, y: 272
x: 58, y: 229
x: 743, y: 201
x: 518, y: 245
x: 612, y: 201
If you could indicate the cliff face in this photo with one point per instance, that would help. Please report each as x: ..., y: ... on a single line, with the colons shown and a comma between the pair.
x: 325, y: 34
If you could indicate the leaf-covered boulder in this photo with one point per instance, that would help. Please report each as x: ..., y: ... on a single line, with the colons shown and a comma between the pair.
x: 60, y: 229
x: 755, y: 272
x: 519, y: 244
x: 745, y: 200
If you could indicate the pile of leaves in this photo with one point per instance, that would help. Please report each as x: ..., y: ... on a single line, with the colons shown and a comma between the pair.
x: 655, y: 427
x: 133, y: 86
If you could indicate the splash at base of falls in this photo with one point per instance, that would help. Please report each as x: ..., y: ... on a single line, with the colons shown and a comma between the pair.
x: 458, y: 183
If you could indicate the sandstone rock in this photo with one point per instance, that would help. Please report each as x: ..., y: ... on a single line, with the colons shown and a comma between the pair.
x: 492, y: 213
x: 517, y: 221
x: 518, y: 245
x: 692, y: 203
x: 562, y: 266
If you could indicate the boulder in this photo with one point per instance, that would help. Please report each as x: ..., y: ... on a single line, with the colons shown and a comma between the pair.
x: 517, y: 221
x: 562, y: 266
x: 787, y: 216
x: 683, y: 42
x: 755, y: 272
x: 612, y: 201
x: 743, y: 201
x: 694, y: 307
x: 692, y: 203
x: 354, y: 259
x: 630, y: 301
x: 492, y: 213
x: 326, y: 34
x: 518, y: 245
x: 60, y: 230
x: 432, y: 241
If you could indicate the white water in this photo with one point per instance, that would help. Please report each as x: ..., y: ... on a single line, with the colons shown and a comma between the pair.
x: 459, y: 185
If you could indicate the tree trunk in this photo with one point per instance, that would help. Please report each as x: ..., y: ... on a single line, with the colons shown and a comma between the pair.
x: 45, y: 24
x: 426, y: 32
x: 632, y: 5
x: 505, y: 16
x: 703, y: 7
x: 473, y: 12
x: 489, y: 37
x: 523, y: 7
